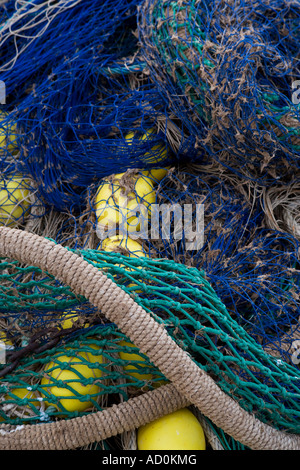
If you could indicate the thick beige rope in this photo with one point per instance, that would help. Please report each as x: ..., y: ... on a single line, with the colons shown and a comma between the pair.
x: 148, y: 335
x: 78, y: 432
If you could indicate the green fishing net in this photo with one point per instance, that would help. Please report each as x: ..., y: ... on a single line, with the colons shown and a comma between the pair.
x: 65, y: 359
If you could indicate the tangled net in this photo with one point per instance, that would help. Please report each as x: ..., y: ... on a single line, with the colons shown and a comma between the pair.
x: 179, y: 297
x: 227, y: 70
x: 207, y: 92
x: 253, y: 268
x: 67, y: 125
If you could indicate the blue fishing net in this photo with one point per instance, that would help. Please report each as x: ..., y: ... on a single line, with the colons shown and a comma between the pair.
x: 229, y: 70
x: 38, y: 36
x: 70, y: 146
x: 73, y: 95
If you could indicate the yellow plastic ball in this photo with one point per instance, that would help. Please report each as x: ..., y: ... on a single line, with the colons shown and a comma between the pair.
x: 144, y: 191
x: 133, y: 247
x: 133, y: 250
x: 14, y: 201
x: 5, y: 345
x: 8, y: 135
x: 68, y: 320
x: 33, y: 397
x: 160, y: 149
x: 133, y: 356
x: 107, y: 202
x: 77, y: 368
x: 116, y: 207
x: 5, y: 340
x: 138, y: 208
x: 176, y: 431
x: 134, y: 371
x: 156, y: 174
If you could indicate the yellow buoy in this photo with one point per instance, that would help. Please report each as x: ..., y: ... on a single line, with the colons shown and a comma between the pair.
x: 127, y: 247
x: 68, y: 320
x: 8, y: 135
x: 14, y: 200
x: 131, y: 370
x: 136, y: 371
x: 176, y: 431
x: 118, y: 208
x: 132, y: 247
x: 160, y: 155
x: 157, y: 174
x: 65, y: 376
x: 3, y: 339
x: 107, y: 201
x: 32, y: 401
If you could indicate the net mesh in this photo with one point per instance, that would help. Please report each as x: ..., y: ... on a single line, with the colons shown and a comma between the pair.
x: 73, y: 93
x: 113, y: 104
x: 253, y: 268
x: 227, y: 69
x: 179, y: 297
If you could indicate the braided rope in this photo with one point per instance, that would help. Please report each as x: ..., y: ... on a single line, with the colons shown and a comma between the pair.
x: 84, y: 430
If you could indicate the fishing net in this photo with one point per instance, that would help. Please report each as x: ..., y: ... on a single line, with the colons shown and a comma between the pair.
x: 179, y: 298
x: 188, y: 107
x: 70, y: 108
x: 229, y: 71
x: 39, y: 36
x: 86, y: 142
x: 228, y: 210
x: 253, y: 268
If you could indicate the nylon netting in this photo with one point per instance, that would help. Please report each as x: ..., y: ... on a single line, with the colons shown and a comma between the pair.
x: 227, y: 69
x: 162, y: 103
x: 178, y: 296
x: 253, y: 268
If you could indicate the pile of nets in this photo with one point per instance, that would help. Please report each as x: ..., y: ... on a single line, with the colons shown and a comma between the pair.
x: 72, y: 97
x: 229, y: 71
x: 50, y: 332
x: 253, y: 268
x: 196, y: 101
x: 179, y: 297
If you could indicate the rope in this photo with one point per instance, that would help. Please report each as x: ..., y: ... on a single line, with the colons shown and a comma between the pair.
x: 78, y: 432
x: 149, y: 336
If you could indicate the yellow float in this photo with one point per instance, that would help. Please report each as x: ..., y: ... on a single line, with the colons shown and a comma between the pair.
x: 176, y: 431
x: 160, y: 155
x: 120, y: 209
x: 8, y: 135
x: 64, y: 376
x: 133, y: 371
x: 14, y: 200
